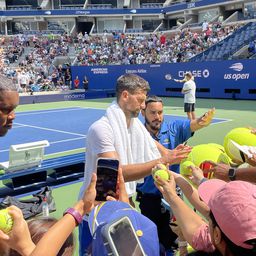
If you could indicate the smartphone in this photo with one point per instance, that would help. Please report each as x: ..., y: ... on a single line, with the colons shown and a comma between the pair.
x: 107, y: 172
x: 120, y: 238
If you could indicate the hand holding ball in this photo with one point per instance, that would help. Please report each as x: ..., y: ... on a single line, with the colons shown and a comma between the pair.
x: 161, y: 171
x: 6, y: 221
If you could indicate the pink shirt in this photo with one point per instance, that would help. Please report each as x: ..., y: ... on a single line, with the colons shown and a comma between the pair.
x: 202, y: 239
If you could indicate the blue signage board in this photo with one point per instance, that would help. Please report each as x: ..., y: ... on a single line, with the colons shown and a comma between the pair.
x: 112, y: 11
x: 214, y: 79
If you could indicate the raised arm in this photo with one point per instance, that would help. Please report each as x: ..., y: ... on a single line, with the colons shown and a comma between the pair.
x: 53, y: 240
x: 202, y: 121
x: 191, y: 194
x: 137, y: 171
x: 188, y: 221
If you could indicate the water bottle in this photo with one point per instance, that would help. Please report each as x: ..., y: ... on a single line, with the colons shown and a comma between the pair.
x: 45, y: 208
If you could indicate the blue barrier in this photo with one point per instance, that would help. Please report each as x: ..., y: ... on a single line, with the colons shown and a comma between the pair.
x: 214, y: 79
x: 67, y: 96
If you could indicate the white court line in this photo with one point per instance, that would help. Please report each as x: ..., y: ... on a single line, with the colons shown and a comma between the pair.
x: 60, y: 141
x: 61, y: 152
x: 36, y: 112
x: 221, y: 122
x: 48, y: 129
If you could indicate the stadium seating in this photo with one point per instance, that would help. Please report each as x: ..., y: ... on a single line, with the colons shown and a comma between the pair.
x: 227, y: 47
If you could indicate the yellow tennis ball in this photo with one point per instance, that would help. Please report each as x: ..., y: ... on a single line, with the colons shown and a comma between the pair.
x: 163, y: 174
x: 161, y: 167
x: 184, y: 167
x: 6, y: 221
x: 220, y: 147
x: 189, y: 249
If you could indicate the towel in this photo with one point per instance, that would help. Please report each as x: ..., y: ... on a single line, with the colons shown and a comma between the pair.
x: 133, y: 144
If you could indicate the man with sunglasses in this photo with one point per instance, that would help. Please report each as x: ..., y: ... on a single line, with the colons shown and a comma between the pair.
x: 170, y: 135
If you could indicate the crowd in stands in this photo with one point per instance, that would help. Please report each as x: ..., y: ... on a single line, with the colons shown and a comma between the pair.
x: 12, y: 49
x: 126, y: 49
x: 36, y: 70
x: 226, y: 226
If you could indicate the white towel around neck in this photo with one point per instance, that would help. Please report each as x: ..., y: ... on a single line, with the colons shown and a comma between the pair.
x: 136, y: 147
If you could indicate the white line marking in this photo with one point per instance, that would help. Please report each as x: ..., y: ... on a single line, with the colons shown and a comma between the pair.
x: 47, y: 112
x: 48, y: 129
x: 224, y: 121
x: 60, y: 141
x: 215, y: 118
x: 61, y: 152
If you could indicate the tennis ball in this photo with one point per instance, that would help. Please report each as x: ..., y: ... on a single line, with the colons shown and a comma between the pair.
x: 184, y: 167
x: 161, y: 167
x: 202, y: 153
x: 242, y: 136
x: 162, y: 173
x: 6, y: 221
x: 220, y: 147
x: 189, y: 249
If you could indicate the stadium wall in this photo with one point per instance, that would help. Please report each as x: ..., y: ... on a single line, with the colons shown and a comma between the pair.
x: 214, y: 79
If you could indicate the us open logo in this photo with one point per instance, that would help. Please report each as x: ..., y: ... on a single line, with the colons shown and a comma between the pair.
x: 237, y: 66
x: 237, y: 76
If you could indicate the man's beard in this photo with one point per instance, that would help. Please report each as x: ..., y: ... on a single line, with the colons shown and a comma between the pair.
x: 135, y: 114
x: 153, y: 127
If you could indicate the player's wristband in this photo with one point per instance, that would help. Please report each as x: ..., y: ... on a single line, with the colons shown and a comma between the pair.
x: 76, y: 215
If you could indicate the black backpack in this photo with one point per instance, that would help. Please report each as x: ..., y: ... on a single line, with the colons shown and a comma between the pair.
x: 32, y: 206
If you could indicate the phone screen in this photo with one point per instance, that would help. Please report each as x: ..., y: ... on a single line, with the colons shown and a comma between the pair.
x: 125, y: 239
x: 106, y: 178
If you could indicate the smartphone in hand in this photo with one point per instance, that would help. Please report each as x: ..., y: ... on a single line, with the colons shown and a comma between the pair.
x: 107, y: 173
x: 120, y: 238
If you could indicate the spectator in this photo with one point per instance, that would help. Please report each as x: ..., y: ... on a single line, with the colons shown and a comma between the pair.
x: 232, y: 207
x: 227, y: 173
x: 251, y: 48
x: 169, y: 134
x: 76, y: 83
x: 205, y: 25
x: 110, y: 211
x: 23, y: 80
x: 9, y: 99
x: 50, y: 244
x: 85, y: 83
x: 38, y: 227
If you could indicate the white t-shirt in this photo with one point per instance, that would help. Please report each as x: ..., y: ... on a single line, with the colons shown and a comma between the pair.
x: 100, y: 139
x: 190, y: 95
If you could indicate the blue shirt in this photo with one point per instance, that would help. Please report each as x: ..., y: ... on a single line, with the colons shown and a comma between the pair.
x: 171, y: 134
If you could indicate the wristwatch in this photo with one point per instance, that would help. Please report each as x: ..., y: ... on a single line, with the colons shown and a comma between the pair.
x: 76, y: 215
x: 232, y: 174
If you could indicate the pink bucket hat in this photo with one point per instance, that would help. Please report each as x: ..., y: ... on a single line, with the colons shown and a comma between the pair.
x: 233, y: 205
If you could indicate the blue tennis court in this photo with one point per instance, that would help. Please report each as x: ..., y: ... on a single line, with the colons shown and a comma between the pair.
x: 65, y: 128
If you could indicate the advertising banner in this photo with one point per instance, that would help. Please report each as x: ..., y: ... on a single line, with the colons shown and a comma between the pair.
x: 214, y: 79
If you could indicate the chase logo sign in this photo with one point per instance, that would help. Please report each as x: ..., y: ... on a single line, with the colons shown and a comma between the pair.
x: 196, y: 73
x: 236, y: 67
